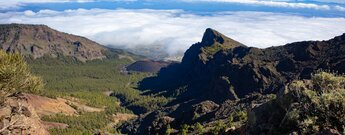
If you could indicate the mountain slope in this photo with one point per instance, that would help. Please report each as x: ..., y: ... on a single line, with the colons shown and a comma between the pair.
x: 223, y: 81
x: 220, y: 68
x: 40, y: 40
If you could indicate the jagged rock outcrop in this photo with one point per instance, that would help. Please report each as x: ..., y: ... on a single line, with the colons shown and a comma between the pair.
x: 37, y: 41
x: 313, y: 106
x: 17, y: 116
x: 205, y: 112
x: 220, y: 68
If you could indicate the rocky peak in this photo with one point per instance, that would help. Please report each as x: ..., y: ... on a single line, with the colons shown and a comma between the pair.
x: 212, y: 36
x: 211, y: 43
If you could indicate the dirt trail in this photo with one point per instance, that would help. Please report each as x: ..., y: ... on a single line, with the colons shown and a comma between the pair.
x: 68, y: 106
x: 49, y: 106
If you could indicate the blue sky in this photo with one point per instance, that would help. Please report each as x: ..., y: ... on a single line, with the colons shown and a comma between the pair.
x: 325, y: 8
x: 174, y: 25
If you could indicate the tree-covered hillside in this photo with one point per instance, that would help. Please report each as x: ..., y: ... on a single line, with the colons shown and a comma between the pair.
x: 92, y: 82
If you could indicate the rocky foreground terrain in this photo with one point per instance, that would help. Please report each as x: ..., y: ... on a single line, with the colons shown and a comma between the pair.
x: 19, y: 117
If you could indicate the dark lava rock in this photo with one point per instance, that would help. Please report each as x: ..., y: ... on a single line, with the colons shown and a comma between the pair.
x: 189, y: 113
x: 220, y: 68
x: 219, y: 77
x: 203, y: 108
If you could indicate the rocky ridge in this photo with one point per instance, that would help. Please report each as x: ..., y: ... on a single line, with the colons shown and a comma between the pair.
x: 223, y: 81
x: 220, y: 68
x: 37, y: 41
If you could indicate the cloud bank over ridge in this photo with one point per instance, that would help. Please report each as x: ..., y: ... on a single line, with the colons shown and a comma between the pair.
x: 176, y: 30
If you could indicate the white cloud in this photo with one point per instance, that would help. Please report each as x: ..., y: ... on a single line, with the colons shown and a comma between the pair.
x: 284, y: 3
x: 9, y: 5
x: 340, y: 8
x: 14, y: 4
x: 332, y: 1
x: 274, y: 3
x: 29, y: 13
x: 176, y: 30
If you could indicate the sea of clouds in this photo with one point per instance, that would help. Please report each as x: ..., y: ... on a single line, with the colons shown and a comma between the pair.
x: 177, y: 30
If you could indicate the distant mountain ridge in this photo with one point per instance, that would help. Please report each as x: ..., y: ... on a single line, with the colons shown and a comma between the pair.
x: 37, y: 41
x: 220, y: 68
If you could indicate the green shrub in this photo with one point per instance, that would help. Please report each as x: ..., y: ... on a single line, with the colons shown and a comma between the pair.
x: 231, y: 121
x: 168, y: 130
x: 184, y: 129
x: 316, y: 105
x: 199, y: 129
x: 241, y: 116
x: 218, y: 128
x: 15, y: 76
x: 323, y: 82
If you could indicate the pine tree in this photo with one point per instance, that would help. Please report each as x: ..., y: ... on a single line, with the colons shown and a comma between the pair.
x: 16, y: 77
